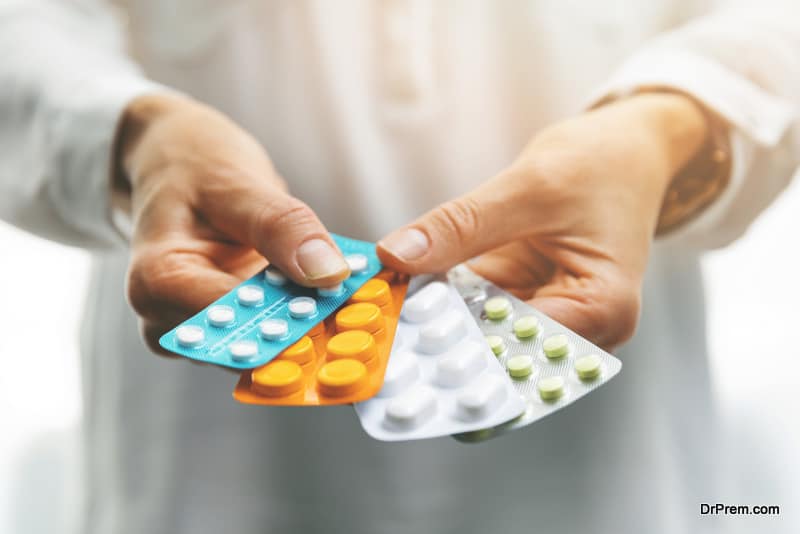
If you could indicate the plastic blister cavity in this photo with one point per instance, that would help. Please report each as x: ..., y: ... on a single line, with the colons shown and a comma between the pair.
x: 342, y: 360
x: 549, y: 365
x: 267, y: 313
x: 442, y: 376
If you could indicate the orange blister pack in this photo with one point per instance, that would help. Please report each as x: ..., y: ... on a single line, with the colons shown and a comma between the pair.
x: 342, y: 360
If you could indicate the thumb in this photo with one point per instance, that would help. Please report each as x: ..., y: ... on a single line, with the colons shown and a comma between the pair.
x: 282, y: 228
x: 491, y: 215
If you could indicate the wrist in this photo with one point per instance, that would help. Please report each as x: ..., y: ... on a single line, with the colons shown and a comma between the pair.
x: 703, y: 168
x: 676, y: 126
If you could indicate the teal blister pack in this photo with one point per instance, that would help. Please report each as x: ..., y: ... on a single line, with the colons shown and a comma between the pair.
x: 267, y: 313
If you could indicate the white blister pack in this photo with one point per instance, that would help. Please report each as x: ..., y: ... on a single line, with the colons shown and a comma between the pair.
x: 442, y: 377
x: 550, y: 366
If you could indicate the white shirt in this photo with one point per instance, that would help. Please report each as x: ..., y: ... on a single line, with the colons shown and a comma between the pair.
x: 375, y: 112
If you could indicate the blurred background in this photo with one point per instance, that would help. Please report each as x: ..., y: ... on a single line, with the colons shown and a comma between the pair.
x: 752, y: 289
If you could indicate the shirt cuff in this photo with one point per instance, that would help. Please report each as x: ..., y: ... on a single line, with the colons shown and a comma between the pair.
x: 756, y: 119
x: 83, y: 129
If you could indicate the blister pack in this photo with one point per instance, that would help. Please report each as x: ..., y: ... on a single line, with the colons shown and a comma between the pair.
x: 442, y: 377
x: 342, y: 360
x: 267, y: 313
x: 550, y: 365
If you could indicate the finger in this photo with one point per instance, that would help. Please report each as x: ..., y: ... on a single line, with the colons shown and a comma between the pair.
x: 516, y: 266
x: 282, y: 228
x: 493, y: 214
x: 605, y: 313
x: 167, y: 288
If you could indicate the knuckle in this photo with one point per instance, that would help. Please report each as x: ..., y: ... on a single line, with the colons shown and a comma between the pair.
x: 619, y: 315
x: 150, y: 277
x: 460, y: 219
x: 286, y: 213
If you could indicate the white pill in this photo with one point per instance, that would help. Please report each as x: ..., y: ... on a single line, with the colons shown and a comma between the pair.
x: 442, y: 333
x: 274, y: 277
x: 190, y: 335
x: 242, y: 351
x: 302, y: 307
x: 460, y: 365
x: 250, y: 295
x: 401, y: 372
x: 481, y: 398
x: 220, y: 316
x: 358, y: 263
x: 426, y: 304
x: 412, y: 408
x: 273, y: 329
x: 331, y: 291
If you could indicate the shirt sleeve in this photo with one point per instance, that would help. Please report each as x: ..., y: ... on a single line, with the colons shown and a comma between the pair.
x: 64, y: 82
x: 744, y: 66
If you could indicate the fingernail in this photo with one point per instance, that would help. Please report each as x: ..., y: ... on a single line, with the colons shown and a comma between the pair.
x: 317, y: 259
x: 408, y: 245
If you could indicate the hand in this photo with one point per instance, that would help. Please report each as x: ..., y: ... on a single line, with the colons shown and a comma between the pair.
x: 568, y: 225
x: 208, y: 208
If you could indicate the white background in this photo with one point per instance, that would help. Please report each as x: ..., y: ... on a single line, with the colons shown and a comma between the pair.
x: 753, y: 291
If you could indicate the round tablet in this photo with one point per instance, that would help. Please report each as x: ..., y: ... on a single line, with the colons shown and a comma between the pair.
x: 520, y: 366
x: 588, y: 367
x: 360, y: 316
x: 274, y: 277
x: 497, y: 308
x: 220, y: 316
x: 526, y: 327
x: 353, y: 344
x: 556, y: 346
x: 358, y: 263
x: 250, y: 295
x: 376, y: 291
x: 302, y: 307
x: 551, y: 388
x: 497, y: 344
x: 341, y: 377
x: 301, y: 352
x: 273, y: 329
x: 277, y: 379
x: 190, y: 335
x: 332, y: 291
x: 243, y: 351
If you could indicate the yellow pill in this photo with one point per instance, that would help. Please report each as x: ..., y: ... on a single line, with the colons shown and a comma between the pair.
x: 341, y: 377
x: 375, y: 291
x: 361, y: 316
x: 551, y: 388
x: 497, y: 308
x: 301, y: 352
x: 353, y: 344
x: 556, y: 346
x: 277, y: 379
x: 497, y: 344
x: 588, y: 367
x: 526, y: 327
x: 520, y: 366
